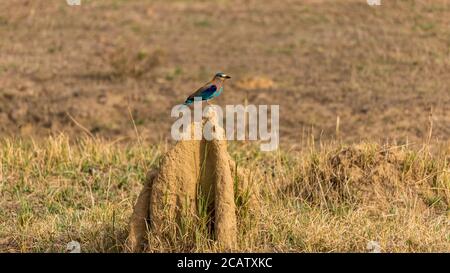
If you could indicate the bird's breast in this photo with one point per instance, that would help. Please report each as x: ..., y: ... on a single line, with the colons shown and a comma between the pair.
x: 218, y: 92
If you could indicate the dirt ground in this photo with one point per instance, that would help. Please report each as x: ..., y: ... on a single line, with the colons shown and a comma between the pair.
x: 102, y: 65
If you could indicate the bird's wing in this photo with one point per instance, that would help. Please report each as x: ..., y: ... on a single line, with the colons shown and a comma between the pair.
x: 203, y: 92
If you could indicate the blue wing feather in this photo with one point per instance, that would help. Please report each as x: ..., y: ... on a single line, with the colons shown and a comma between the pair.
x: 205, y: 92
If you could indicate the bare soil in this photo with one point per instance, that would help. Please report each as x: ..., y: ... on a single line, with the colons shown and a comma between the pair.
x: 381, y: 70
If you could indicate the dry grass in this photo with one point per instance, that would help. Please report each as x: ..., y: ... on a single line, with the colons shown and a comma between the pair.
x: 326, y: 199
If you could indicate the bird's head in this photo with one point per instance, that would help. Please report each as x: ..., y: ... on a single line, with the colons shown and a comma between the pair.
x: 221, y: 76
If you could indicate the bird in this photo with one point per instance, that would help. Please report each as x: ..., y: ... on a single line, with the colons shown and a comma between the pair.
x: 210, y: 90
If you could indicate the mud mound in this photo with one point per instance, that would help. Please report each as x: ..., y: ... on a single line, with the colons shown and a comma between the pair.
x: 255, y: 83
x: 373, y: 176
x: 197, y: 184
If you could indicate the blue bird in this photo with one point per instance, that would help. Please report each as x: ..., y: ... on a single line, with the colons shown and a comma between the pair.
x: 210, y: 90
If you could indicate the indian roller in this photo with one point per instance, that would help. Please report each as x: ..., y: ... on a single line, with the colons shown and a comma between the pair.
x: 210, y: 90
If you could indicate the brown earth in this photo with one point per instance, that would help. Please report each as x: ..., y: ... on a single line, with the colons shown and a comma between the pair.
x: 196, y: 185
x: 99, y: 66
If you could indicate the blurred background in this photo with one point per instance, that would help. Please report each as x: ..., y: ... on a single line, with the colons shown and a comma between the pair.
x: 104, y: 67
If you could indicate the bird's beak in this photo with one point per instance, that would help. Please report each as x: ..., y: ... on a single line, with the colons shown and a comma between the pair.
x: 227, y: 77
